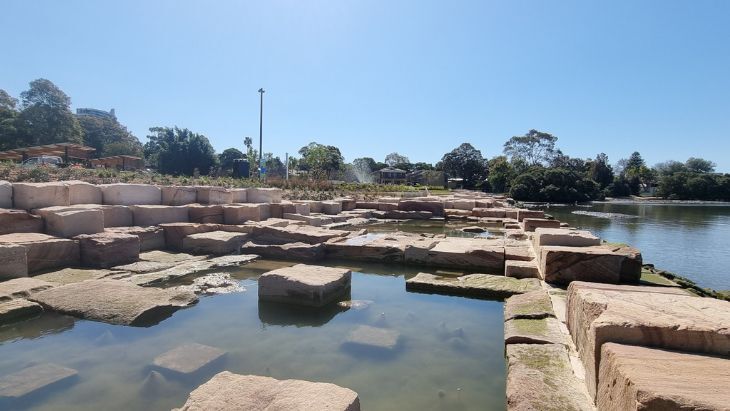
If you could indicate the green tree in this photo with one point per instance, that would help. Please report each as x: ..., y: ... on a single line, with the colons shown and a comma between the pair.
x: 108, y: 137
x: 251, y: 154
x: 466, y: 162
x: 46, y: 116
x: 600, y: 171
x: 670, y: 167
x: 395, y: 159
x: 321, y: 161
x: 699, y: 165
x: 227, y: 156
x: 423, y: 166
x: 535, y: 147
x: 274, y: 166
x: 179, y: 151
x: 501, y: 174
x: 8, y: 121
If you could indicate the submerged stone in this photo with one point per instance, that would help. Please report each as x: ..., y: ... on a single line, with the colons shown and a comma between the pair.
x: 472, y: 285
x: 250, y: 392
x: 188, y: 358
x: 33, y: 379
x: 373, y: 337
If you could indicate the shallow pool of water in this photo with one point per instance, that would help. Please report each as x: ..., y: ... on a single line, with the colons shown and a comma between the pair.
x: 450, y: 355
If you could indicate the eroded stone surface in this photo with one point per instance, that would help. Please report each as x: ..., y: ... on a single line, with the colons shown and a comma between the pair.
x: 540, y: 377
x: 74, y: 275
x: 18, y: 309
x: 213, y: 283
x: 147, y: 215
x: 289, y: 251
x: 150, y: 238
x: 662, y: 317
x: 469, y: 253
x: 534, y: 331
x: 250, y: 392
x: 174, y: 195
x: 6, y: 195
x: 603, y: 264
x: 472, y: 285
x: 296, y: 233
x: 45, y: 251
x: 115, y: 302
x: 107, y: 249
x: 205, y: 214
x: 214, y: 242
x: 33, y: 379
x: 72, y: 222
x: 532, y: 305
x: 564, y: 237
x: 643, y: 378
x: 521, y: 269
x: 13, y: 261
x: 373, y: 338
x: 29, y: 196
x: 130, y: 194
x: 19, y: 221
x: 304, y: 284
x: 188, y: 358
x: 22, y: 287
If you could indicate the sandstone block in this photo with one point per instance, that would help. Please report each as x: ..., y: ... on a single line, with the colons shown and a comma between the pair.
x: 348, y: 204
x: 104, y: 250
x: 473, y: 285
x: 45, y: 251
x: 264, y: 195
x: 531, y: 224
x: 74, y: 222
x: 295, y: 208
x: 147, y: 215
x: 522, y: 214
x: 240, y: 213
x: 435, y: 207
x: 117, y: 216
x: 640, y: 378
x: 214, y: 242
x: 561, y: 265
x: 28, y: 196
x: 175, y: 196
x: 534, y: 331
x: 387, y: 206
x: 464, y: 204
x: 131, y: 194
x: 205, y: 214
x: 188, y: 358
x: 80, y: 192
x: 521, y: 269
x: 18, y: 309
x: 661, y: 317
x: 115, y: 302
x: 33, y: 379
x: 150, y: 238
x: 530, y: 305
x: 314, y: 206
x: 367, y: 247
x: 331, y: 207
x: 239, y: 195
x: 303, y: 284
x: 511, y: 214
x: 369, y: 337
x: 13, y: 261
x: 540, y: 377
x: 467, y: 253
x: 489, y: 212
x: 367, y: 205
x: 296, y: 233
x: 6, y: 194
x: 564, y: 237
x: 214, y: 195
x: 22, y: 287
x: 290, y: 251
x: 250, y: 392
x: 484, y: 203
x: 175, y: 232
x: 19, y: 221
x: 315, y: 221
x: 408, y: 215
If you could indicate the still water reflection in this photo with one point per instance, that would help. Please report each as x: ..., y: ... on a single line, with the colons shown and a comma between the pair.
x: 692, y: 240
x: 450, y: 355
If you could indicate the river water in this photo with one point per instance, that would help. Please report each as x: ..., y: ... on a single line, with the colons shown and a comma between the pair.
x: 692, y: 240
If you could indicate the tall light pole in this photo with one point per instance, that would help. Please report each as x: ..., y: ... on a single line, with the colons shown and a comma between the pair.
x: 261, y: 129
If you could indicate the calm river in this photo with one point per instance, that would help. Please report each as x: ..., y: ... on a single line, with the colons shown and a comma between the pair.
x: 692, y: 240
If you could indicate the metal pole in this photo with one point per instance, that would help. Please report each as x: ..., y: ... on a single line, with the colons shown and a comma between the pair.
x: 261, y: 129
x: 286, y: 156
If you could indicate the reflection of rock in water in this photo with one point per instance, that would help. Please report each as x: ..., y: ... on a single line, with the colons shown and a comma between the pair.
x: 355, y: 304
x: 456, y: 338
x: 105, y: 338
x: 599, y: 214
x: 271, y: 313
x: 47, y: 323
x: 155, y: 385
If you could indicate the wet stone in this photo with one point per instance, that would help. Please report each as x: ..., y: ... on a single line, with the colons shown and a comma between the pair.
x: 532, y: 305
x: 355, y: 304
x: 373, y: 338
x: 472, y: 285
x: 534, y: 331
x: 213, y: 283
x: 188, y: 358
x: 33, y: 379
x: 18, y: 309
x: 303, y: 284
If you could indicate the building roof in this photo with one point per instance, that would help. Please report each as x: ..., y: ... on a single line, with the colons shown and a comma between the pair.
x: 60, y: 149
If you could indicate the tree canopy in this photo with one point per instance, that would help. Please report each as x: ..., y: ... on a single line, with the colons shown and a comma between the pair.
x: 227, y: 156
x: 108, y: 137
x: 535, y: 147
x: 179, y: 151
x: 465, y: 162
x: 46, y: 116
x: 395, y: 159
x: 320, y: 161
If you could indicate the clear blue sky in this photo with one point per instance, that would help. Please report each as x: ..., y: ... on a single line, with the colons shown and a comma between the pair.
x: 373, y: 77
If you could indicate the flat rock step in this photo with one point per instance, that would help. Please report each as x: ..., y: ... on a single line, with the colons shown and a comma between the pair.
x: 114, y: 302
x: 473, y: 285
x: 18, y: 309
x: 33, y: 379
x: 251, y: 392
x: 302, y: 284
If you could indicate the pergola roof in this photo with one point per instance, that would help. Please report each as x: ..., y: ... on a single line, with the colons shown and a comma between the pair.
x: 60, y: 149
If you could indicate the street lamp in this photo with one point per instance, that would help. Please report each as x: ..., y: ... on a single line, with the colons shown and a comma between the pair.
x: 261, y: 129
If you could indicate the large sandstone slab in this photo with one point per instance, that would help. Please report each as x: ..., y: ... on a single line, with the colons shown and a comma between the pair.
x: 238, y: 195
x: 522, y: 214
x: 33, y: 379
x: 467, y: 253
x: 473, y: 285
x: 641, y: 378
x: 19, y: 221
x: 296, y: 233
x: 540, y: 377
x: 13, y: 261
x: 179, y: 195
x: 332, y: 207
x: 150, y: 238
x: 531, y: 224
x: 250, y: 392
x: 303, y: 284
x: 175, y: 232
x: 115, y: 302
x: 188, y: 358
x: 6, y: 194
x: 45, y: 251
x: 564, y: 237
x: 147, y: 215
x: 521, y: 269
x: 131, y: 194
x: 435, y: 207
x: 81, y: 192
x: 534, y: 331
x: 604, y: 264
x: 214, y: 195
x: 490, y: 212
x: 313, y: 220
x: 18, y: 309
x: 662, y: 317
x: 205, y: 214
x: 214, y: 242
x: 107, y: 249
x: 29, y: 196
x: 240, y: 213
x: 117, y: 216
x: 22, y: 288
x: 374, y: 338
x: 190, y: 265
x: 531, y: 305
x: 264, y: 195
x: 289, y: 251
x: 70, y: 223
